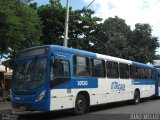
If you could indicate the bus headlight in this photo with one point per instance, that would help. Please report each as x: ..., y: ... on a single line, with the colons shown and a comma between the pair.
x: 41, y: 95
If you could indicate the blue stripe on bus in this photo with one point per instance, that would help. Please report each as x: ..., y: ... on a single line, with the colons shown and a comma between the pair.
x: 75, y: 83
x: 143, y: 82
x: 141, y: 65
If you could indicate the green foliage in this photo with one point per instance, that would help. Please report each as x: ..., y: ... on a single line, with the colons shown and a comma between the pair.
x: 82, y: 28
x: 157, y: 57
x: 52, y: 16
x: 20, y: 27
x: 142, y: 44
x: 120, y: 41
x: 112, y: 37
x: 81, y: 25
x: 33, y: 5
x: 113, y: 34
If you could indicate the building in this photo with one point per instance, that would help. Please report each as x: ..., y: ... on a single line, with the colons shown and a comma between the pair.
x: 7, y: 75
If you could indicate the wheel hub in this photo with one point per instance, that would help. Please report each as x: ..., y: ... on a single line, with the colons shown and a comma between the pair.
x: 80, y: 104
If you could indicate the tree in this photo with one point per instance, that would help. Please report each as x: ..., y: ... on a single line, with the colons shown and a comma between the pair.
x: 117, y: 39
x: 82, y: 29
x: 157, y: 57
x: 81, y: 25
x: 20, y: 27
x: 52, y: 16
x: 142, y: 44
x: 114, y: 34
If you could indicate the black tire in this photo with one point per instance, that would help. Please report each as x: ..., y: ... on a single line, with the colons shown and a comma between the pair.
x: 136, y: 99
x: 81, y: 105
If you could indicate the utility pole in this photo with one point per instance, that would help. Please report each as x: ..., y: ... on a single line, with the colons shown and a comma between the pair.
x: 65, y: 41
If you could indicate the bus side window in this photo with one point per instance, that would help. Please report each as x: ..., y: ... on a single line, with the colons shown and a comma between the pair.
x: 124, y: 70
x: 112, y: 69
x: 61, y: 69
x: 141, y: 73
x: 81, y: 66
x: 98, y: 68
x: 133, y: 72
x: 60, y: 72
x: 149, y: 73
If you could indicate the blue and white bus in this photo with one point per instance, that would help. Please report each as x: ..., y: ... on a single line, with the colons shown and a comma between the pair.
x: 50, y: 78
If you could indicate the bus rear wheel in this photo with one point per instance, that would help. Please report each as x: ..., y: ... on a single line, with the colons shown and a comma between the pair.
x: 80, y: 105
x: 136, y: 97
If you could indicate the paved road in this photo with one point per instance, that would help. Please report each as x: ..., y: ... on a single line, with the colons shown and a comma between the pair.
x: 5, y: 107
x: 146, y: 106
x: 113, y: 111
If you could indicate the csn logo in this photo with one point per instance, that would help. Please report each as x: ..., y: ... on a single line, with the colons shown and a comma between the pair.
x: 117, y: 86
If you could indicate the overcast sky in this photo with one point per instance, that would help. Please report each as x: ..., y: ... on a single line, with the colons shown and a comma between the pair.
x: 132, y: 11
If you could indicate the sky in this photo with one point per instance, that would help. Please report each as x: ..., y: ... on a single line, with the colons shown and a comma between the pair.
x: 132, y: 11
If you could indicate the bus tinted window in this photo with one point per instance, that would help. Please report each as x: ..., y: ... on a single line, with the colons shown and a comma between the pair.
x: 133, y: 72
x: 112, y: 69
x: 60, y: 72
x: 61, y: 69
x: 141, y: 73
x: 98, y: 68
x: 148, y: 74
x: 124, y: 70
x: 81, y: 66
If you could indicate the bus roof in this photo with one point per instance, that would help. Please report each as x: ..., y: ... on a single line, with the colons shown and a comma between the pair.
x: 87, y: 53
x: 97, y: 55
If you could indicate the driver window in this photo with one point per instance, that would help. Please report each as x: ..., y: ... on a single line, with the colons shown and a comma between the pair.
x: 60, y: 69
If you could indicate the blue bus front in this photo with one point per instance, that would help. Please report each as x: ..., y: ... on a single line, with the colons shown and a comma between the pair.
x: 30, y: 88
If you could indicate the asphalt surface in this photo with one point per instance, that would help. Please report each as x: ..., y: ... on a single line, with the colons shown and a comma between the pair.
x: 148, y: 109
x: 5, y: 107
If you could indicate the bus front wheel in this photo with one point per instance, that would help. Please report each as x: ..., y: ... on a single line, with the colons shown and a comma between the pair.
x: 80, y: 105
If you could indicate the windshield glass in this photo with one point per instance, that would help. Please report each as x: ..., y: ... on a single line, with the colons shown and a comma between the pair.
x: 29, y: 75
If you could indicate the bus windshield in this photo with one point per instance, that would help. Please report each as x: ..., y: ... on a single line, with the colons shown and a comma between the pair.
x: 29, y: 75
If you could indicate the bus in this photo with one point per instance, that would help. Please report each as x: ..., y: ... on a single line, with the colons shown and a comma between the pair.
x: 52, y: 77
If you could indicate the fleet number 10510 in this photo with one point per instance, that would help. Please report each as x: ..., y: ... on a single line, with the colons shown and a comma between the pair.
x: 82, y: 83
